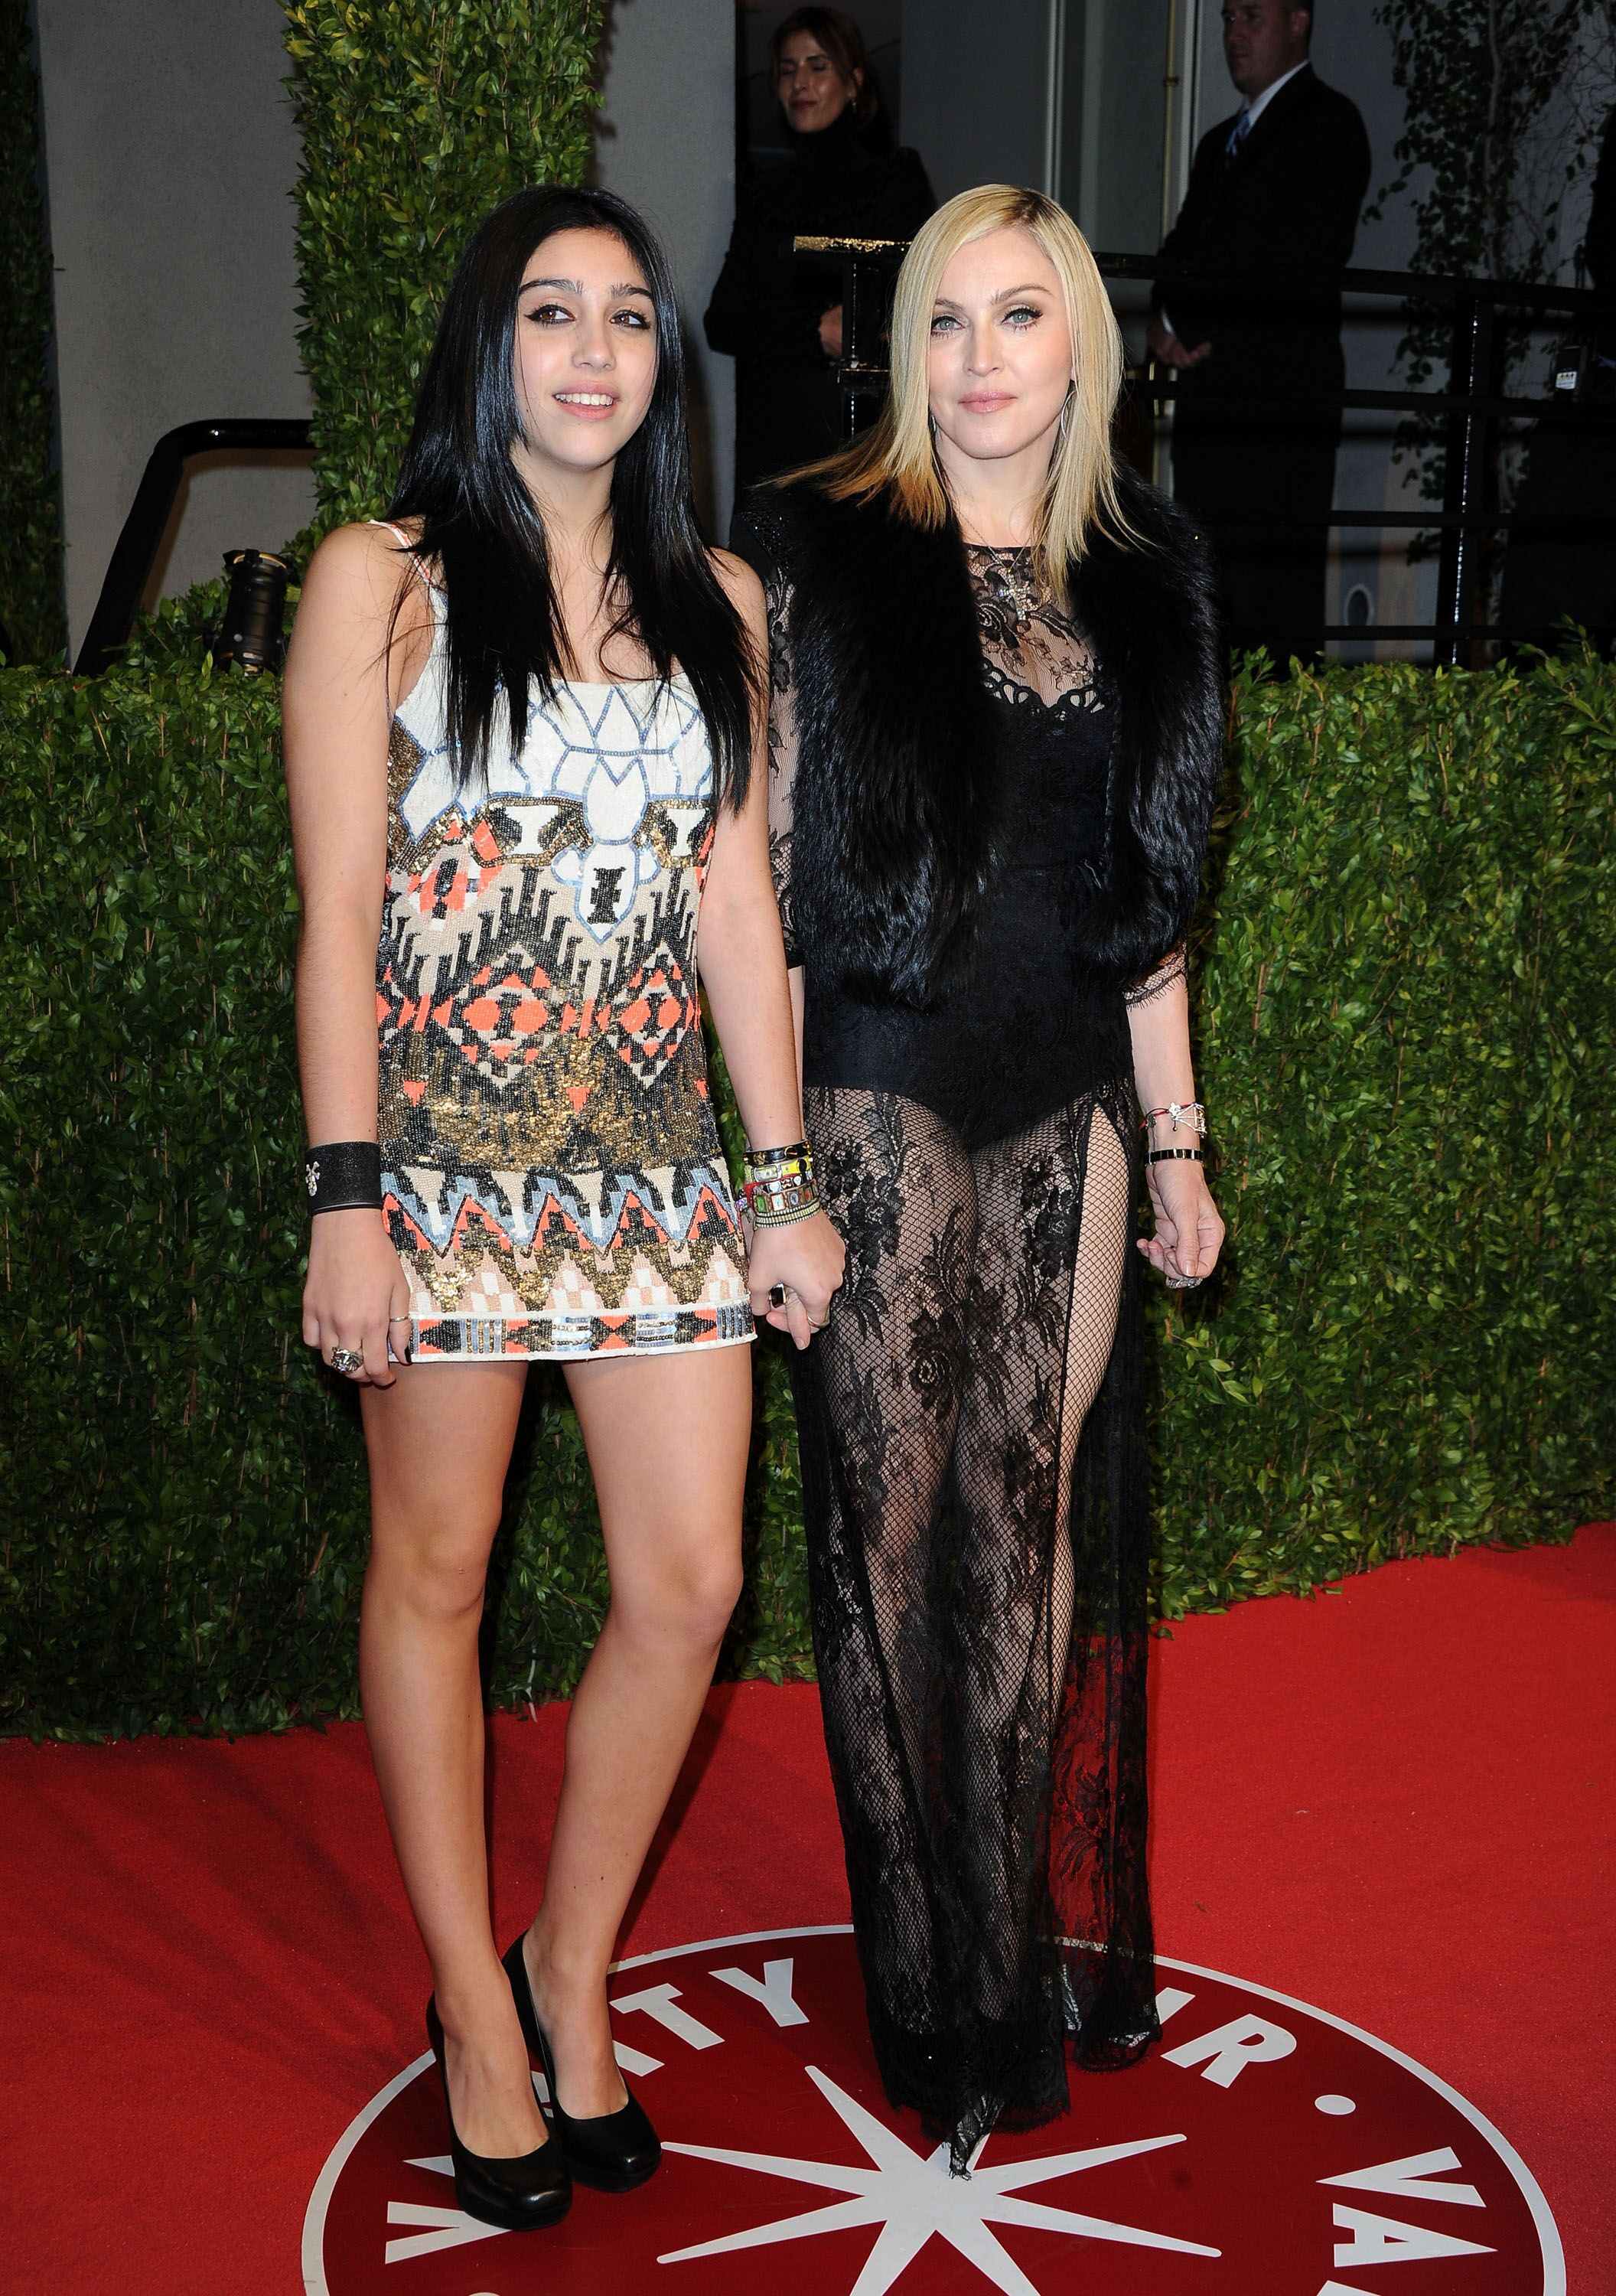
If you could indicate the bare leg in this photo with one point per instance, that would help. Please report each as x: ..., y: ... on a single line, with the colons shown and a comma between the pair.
x: 668, y: 1440
x: 439, y: 1443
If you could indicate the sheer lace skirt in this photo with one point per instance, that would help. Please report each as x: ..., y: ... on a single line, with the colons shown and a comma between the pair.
x: 973, y: 1479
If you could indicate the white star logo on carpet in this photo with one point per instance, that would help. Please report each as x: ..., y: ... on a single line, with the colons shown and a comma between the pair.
x: 1265, y: 2148
x: 913, y: 2198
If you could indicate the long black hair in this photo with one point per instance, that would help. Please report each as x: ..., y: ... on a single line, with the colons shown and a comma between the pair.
x: 479, y: 524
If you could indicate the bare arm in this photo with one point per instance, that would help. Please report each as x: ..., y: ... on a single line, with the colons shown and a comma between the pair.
x: 743, y: 970
x: 1188, y: 1229
x: 337, y: 707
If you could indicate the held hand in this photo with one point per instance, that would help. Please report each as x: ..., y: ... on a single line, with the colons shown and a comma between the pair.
x: 1189, y: 1227
x: 807, y: 1258
x: 356, y: 1292
x: 830, y: 332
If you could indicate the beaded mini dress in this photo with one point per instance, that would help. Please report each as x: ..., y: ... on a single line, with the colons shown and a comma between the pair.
x: 552, y: 1175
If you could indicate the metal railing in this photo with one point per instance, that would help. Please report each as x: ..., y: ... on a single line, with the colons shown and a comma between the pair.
x: 135, y: 552
x: 1474, y: 407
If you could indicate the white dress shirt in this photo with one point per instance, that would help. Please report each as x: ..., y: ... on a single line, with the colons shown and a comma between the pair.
x: 1259, y: 105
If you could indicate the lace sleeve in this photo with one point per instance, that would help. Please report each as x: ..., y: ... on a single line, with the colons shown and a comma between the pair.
x: 1174, y: 966
x: 760, y: 535
x: 782, y: 756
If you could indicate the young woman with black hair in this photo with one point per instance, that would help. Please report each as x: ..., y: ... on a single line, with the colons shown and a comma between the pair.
x: 520, y: 718
x: 998, y: 735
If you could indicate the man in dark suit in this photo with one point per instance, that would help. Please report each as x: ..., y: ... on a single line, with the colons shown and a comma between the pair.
x: 1274, y: 188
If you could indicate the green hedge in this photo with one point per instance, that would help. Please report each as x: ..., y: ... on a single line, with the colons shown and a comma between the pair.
x: 1407, y: 1025
x: 1406, y: 1008
x: 185, y: 1517
x: 31, y: 519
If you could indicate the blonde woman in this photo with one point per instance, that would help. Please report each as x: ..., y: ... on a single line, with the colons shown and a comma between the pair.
x: 996, y: 742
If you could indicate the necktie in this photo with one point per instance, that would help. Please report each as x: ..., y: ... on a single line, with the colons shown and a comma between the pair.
x: 1237, y: 135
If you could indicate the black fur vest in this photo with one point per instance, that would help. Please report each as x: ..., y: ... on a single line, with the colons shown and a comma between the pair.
x: 895, y: 801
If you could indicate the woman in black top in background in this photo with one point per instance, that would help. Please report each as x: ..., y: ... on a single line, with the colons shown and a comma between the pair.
x: 996, y: 736
x: 779, y: 317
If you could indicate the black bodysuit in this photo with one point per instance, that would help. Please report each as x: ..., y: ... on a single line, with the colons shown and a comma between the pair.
x: 1045, y: 1033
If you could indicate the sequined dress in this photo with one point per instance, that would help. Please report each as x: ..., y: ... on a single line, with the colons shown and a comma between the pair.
x: 974, y: 1468
x: 551, y: 1174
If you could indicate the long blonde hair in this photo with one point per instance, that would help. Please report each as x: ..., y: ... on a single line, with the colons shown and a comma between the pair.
x: 897, y: 455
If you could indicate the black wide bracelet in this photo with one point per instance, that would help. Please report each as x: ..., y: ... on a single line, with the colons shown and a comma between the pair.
x: 344, y: 1175
x: 1175, y: 1156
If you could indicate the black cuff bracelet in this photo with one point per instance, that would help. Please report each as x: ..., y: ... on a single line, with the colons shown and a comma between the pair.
x: 343, y: 1175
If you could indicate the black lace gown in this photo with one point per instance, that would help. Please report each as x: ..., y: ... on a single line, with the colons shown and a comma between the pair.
x: 973, y: 1458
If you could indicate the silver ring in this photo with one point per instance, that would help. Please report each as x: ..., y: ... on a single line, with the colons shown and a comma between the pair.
x: 347, y: 1360
x: 778, y: 1295
x: 1183, y: 1282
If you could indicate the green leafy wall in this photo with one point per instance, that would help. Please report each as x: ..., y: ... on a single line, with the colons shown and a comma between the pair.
x: 1405, y: 1007
x: 1407, y: 1014
x: 31, y: 519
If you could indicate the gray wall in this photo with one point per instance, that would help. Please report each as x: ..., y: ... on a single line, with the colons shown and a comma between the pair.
x: 976, y: 91
x: 170, y: 153
x: 1113, y: 120
x: 667, y: 142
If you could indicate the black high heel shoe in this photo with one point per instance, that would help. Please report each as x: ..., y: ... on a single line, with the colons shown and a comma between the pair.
x: 522, y: 2193
x: 613, y: 2152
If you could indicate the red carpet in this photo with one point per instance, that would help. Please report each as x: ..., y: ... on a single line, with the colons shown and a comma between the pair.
x: 1393, y: 1802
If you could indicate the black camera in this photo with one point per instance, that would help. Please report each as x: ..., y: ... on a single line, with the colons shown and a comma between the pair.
x: 255, y: 609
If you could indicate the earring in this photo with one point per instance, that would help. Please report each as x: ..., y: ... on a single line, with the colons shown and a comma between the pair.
x: 1065, y: 407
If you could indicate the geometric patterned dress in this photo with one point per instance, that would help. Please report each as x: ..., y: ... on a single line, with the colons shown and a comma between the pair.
x: 551, y: 1174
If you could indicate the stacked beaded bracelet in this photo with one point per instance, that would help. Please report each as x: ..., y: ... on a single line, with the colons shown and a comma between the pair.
x: 343, y: 1175
x: 778, y: 1187
x: 1189, y: 1112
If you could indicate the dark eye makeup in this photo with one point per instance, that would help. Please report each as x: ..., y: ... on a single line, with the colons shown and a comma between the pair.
x: 551, y: 315
x: 1019, y: 314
